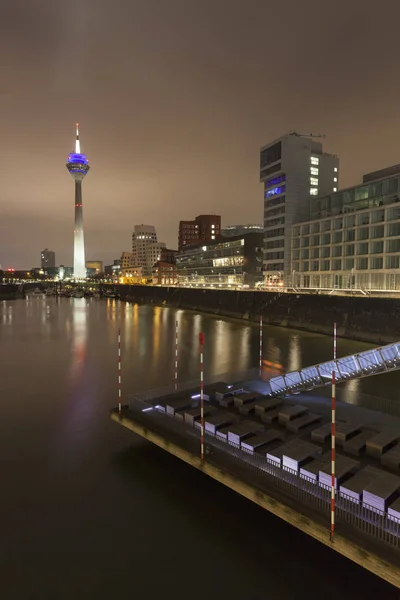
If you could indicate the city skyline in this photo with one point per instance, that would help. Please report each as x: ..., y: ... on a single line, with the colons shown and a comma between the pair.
x: 176, y: 107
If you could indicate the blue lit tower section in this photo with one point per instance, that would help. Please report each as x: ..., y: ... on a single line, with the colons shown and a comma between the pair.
x: 78, y: 166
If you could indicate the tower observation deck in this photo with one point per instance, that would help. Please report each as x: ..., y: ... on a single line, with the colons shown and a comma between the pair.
x: 78, y: 166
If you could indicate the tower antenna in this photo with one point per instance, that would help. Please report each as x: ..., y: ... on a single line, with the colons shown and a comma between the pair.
x: 77, y: 142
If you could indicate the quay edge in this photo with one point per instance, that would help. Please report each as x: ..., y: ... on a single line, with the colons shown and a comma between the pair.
x: 365, y: 558
x: 367, y: 319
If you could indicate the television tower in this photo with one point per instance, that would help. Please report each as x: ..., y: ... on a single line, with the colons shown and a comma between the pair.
x: 78, y: 166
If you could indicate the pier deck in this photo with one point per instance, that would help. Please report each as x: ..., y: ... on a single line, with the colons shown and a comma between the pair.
x: 366, y: 535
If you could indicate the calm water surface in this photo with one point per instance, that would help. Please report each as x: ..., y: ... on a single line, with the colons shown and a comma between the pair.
x: 90, y: 511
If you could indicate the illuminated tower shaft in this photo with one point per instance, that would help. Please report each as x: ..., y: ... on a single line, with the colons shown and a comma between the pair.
x: 78, y: 166
x: 79, y: 238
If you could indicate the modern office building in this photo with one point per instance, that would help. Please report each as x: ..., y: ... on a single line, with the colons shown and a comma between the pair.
x: 235, y: 230
x: 203, y: 229
x: 95, y: 265
x: 352, y: 238
x: 153, y: 255
x: 228, y: 263
x: 293, y: 168
x: 145, y: 248
x: 47, y: 259
x: 78, y: 166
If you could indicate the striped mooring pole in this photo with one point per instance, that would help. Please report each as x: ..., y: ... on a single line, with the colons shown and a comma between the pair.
x: 201, y: 341
x: 334, y: 341
x: 176, y: 355
x: 333, y: 457
x: 119, y: 373
x: 261, y: 344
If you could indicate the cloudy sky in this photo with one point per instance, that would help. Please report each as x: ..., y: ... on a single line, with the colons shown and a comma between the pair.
x: 174, y: 98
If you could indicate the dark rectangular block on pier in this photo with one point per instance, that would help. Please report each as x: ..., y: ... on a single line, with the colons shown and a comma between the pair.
x: 242, y: 430
x: 193, y: 414
x: 245, y: 398
x: 346, y: 430
x: 311, y: 470
x: 381, y: 442
x: 270, y: 416
x: 218, y: 420
x: 391, y: 458
x: 267, y: 404
x: 228, y: 391
x: 261, y: 441
x: 297, y: 452
x: 247, y: 409
x: 354, y: 487
x: 358, y: 443
x: 291, y: 412
x: 179, y: 403
x: 380, y: 492
x: 344, y: 468
x: 222, y: 434
x: 321, y: 434
x: 296, y: 425
x: 394, y: 511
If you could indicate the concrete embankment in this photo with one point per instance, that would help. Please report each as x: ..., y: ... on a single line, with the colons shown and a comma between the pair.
x: 375, y: 320
x: 344, y: 546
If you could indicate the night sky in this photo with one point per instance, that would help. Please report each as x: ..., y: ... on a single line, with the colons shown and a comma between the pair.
x: 174, y: 99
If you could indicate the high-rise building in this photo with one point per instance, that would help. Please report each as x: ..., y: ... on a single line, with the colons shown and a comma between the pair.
x: 234, y: 230
x: 47, y: 259
x: 146, y: 249
x: 153, y: 254
x: 293, y: 168
x: 204, y: 228
x: 78, y: 166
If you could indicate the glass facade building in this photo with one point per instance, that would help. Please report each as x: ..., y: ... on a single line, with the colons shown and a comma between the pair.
x: 293, y: 169
x: 233, y: 262
x: 352, y: 240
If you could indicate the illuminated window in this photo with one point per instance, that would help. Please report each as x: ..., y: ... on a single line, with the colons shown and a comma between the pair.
x: 335, y: 169
x: 313, y: 191
x: 314, y: 180
x: 314, y: 170
x: 314, y: 160
x: 213, y: 237
x: 335, y: 189
x: 335, y: 179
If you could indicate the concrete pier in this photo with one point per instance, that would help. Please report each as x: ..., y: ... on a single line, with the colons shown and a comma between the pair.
x: 367, y: 552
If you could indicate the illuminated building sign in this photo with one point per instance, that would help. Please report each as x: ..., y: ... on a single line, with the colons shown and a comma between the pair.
x: 275, y: 180
x: 275, y: 191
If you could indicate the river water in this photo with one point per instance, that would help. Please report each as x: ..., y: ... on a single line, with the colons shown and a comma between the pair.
x: 88, y: 510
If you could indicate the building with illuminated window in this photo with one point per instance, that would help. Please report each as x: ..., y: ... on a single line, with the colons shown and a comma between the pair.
x: 146, y: 249
x: 47, y: 259
x: 352, y: 238
x: 236, y: 261
x: 293, y: 168
x: 203, y: 229
x: 164, y: 273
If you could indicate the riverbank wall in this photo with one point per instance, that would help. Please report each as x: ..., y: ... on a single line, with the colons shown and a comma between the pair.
x: 375, y: 320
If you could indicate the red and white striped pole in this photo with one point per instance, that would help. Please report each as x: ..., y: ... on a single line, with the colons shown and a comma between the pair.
x: 333, y: 457
x: 176, y: 355
x: 334, y: 341
x: 261, y: 344
x: 119, y: 373
x: 201, y: 340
